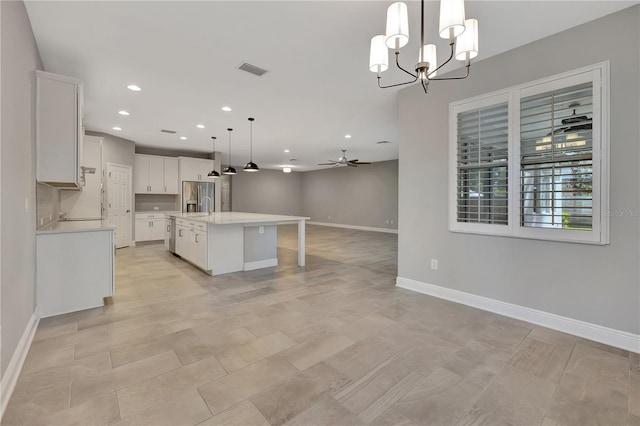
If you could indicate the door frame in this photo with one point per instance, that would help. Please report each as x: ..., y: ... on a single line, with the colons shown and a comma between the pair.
x: 131, y: 241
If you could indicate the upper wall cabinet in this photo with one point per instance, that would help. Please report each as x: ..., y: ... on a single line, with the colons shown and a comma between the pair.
x: 195, y: 169
x: 59, y: 131
x: 156, y: 175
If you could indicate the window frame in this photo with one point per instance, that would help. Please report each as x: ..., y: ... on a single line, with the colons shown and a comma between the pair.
x: 598, y: 74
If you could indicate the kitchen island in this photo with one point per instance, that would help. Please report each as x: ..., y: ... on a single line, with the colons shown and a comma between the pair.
x: 224, y: 242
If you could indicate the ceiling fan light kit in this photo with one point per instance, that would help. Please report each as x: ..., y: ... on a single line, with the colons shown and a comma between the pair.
x: 251, y: 166
x: 462, y: 34
x: 229, y: 170
x: 213, y: 174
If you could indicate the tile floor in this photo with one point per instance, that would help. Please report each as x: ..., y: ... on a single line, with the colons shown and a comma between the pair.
x: 334, y: 343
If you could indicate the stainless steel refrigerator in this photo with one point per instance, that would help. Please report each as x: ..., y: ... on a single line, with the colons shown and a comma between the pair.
x: 198, y: 197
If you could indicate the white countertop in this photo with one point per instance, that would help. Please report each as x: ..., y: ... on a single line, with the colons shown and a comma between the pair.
x: 227, y: 218
x: 76, y: 226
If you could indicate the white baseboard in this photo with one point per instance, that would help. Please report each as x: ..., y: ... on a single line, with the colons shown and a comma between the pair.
x: 10, y: 378
x: 598, y: 333
x: 259, y: 264
x: 360, y: 228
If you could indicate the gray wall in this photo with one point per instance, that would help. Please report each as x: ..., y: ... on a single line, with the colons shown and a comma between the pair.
x: 362, y: 196
x: 268, y: 191
x: 591, y: 283
x: 20, y: 58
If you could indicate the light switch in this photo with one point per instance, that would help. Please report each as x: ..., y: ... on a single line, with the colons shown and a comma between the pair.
x: 261, y: 230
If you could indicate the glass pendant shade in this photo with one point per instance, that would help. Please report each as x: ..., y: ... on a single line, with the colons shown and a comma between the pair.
x: 428, y: 54
x: 213, y: 174
x: 451, y: 17
x: 397, y: 26
x: 229, y: 171
x: 467, y: 43
x: 378, y: 55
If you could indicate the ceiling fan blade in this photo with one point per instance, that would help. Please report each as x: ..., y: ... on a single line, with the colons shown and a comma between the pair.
x: 351, y: 165
x: 326, y: 164
x: 353, y: 161
x: 362, y: 162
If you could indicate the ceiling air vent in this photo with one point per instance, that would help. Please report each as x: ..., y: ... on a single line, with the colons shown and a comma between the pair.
x: 293, y: 159
x: 381, y: 142
x: 252, y: 69
x: 171, y: 132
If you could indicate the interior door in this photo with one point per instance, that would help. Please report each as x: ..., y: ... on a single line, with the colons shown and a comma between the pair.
x: 119, y: 212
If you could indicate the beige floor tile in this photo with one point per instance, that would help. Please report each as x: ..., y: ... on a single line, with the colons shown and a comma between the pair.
x: 243, y: 414
x: 425, y: 358
x: 118, y: 338
x: 221, y: 342
x: 477, y: 362
x: 101, y: 410
x: 325, y: 411
x: 441, y: 399
x: 581, y: 402
x: 312, y: 352
x: 552, y: 337
x: 361, y: 357
x: 503, y: 333
x: 228, y: 391
x: 184, y: 410
x: 541, y: 359
x: 241, y: 356
x: 598, y: 366
x: 366, y: 326
x: 37, y: 406
x: 513, y: 397
x: 281, y: 402
x: 55, y: 331
x: 121, y: 377
x: 322, y: 327
x: 167, y: 386
x: 42, y: 359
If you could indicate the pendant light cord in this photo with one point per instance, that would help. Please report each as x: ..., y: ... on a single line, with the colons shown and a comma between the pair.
x: 230, y: 130
x: 251, y: 140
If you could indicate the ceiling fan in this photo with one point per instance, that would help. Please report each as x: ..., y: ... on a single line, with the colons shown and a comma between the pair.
x: 343, y: 161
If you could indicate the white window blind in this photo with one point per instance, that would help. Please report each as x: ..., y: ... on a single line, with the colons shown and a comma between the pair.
x: 556, y: 159
x: 482, y: 165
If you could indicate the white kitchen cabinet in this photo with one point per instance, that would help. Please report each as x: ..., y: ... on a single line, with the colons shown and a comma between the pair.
x: 167, y: 234
x: 149, y: 227
x: 74, y: 270
x: 171, y: 176
x: 192, y: 242
x: 195, y: 169
x: 156, y: 175
x: 59, y: 106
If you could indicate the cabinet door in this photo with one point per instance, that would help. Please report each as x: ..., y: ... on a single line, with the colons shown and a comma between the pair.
x: 205, y: 167
x: 189, y: 169
x: 141, y: 173
x: 157, y: 229
x: 182, y: 241
x: 57, y: 123
x: 200, y: 249
x: 171, y: 178
x: 143, y: 230
x: 156, y: 175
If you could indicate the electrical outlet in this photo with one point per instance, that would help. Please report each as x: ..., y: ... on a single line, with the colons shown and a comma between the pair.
x: 156, y: 208
x: 434, y: 264
x: 261, y: 230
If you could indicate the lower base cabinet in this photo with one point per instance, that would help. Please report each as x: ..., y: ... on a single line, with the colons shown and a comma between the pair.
x: 74, y: 270
x: 191, y: 244
x: 150, y: 227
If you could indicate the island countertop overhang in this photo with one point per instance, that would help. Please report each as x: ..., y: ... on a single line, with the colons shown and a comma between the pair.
x: 229, y: 218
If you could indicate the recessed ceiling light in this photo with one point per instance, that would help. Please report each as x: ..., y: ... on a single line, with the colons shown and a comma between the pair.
x: 347, y: 136
x: 286, y: 169
x: 200, y: 126
x: 184, y: 138
x: 123, y: 112
x: 134, y: 88
x: 226, y: 108
x: 287, y: 151
x: 116, y: 128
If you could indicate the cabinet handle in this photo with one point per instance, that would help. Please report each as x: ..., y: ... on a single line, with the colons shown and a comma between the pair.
x: 165, y: 188
x: 179, y: 232
x: 168, y: 228
x: 197, y: 237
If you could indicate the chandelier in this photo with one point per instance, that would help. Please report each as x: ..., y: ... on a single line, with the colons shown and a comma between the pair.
x: 462, y: 34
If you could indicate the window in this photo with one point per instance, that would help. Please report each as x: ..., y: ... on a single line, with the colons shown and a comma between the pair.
x: 526, y: 162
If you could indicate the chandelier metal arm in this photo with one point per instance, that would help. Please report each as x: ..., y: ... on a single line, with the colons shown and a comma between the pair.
x: 452, y: 44
x: 398, y: 65
x: 396, y: 85
x: 467, y: 65
x: 425, y: 85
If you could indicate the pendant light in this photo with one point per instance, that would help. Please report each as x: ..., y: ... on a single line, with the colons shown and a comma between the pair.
x: 251, y: 166
x: 213, y: 174
x: 229, y: 170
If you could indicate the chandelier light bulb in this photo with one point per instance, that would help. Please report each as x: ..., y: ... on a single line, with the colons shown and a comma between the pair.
x: 428, y: 54
x: 467, y: 43
x: 397, y: 26
x: 451, y: 18
x: 379, y: 55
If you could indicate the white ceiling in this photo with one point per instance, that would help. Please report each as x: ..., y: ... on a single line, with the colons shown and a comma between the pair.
x: 184, y: 55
